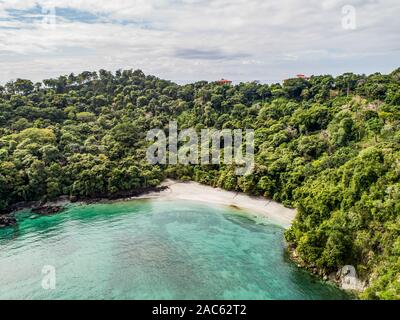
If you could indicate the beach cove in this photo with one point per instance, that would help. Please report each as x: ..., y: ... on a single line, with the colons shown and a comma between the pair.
x: 255, y: 206
x: 168, y: 245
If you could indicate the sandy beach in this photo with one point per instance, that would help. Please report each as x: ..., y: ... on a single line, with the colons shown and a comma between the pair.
x: 257, y: 206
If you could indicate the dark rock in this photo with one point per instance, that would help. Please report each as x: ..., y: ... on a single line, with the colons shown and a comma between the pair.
x: 6, y: 221
x: 22, y: 205
x: 47, y: 210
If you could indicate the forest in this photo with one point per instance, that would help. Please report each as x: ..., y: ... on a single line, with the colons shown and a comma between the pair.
x: 328, y: 146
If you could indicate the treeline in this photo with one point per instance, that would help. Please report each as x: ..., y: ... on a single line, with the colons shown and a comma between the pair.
x: 328, y: 146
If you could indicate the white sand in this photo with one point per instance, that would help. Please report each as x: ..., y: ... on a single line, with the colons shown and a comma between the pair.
x: 257, y: 206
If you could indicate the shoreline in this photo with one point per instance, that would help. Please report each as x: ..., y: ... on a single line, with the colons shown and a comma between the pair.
x: 170, y: 189
x: 194, y: 191
x: 57, y: 205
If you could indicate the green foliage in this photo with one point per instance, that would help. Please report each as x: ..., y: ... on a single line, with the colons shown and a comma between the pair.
x: 328, y: 146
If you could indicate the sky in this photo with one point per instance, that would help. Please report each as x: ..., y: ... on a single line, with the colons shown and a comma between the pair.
x: 191, y: 40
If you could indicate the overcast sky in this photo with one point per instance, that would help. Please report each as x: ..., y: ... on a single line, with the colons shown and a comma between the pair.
x: 189, y: 40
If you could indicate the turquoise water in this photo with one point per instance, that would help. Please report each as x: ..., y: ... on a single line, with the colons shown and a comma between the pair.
x: 151, y: 250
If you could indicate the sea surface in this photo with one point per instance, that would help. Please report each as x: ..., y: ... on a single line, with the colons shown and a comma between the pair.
x: 151, y: 249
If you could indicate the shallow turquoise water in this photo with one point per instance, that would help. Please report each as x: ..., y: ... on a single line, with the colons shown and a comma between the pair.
x: 151, y: 250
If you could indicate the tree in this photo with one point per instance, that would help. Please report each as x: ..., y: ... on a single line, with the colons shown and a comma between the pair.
x: 328, y: 146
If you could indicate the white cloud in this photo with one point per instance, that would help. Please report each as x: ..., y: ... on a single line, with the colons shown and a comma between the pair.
x: 199, y: 39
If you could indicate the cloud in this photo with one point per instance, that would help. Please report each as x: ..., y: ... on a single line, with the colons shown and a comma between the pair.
x: 204, y: 54
x: 187, y: 40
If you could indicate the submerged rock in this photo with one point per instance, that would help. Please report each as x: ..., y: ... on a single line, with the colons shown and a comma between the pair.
x: 47, y: 210
x: 6, y: 221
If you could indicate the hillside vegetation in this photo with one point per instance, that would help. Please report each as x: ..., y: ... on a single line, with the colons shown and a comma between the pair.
x: 328, y: 146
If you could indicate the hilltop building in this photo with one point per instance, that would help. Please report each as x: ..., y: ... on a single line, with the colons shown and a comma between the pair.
x: 224, y: 81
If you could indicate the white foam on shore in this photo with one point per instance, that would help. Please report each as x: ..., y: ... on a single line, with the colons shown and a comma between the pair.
x: 257, y: 206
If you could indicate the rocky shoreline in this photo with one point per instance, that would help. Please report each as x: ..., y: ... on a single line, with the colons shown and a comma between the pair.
x: 7, y: 221
x: 47, y: 210
x: 345, y: 277
x: 57, y: 205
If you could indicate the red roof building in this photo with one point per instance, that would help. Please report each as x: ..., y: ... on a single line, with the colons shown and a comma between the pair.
x: 224, y: 81
x: 302, y: 76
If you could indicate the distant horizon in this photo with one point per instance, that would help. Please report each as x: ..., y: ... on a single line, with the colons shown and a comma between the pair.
x: 184, y: 82
x: 191, y: 40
